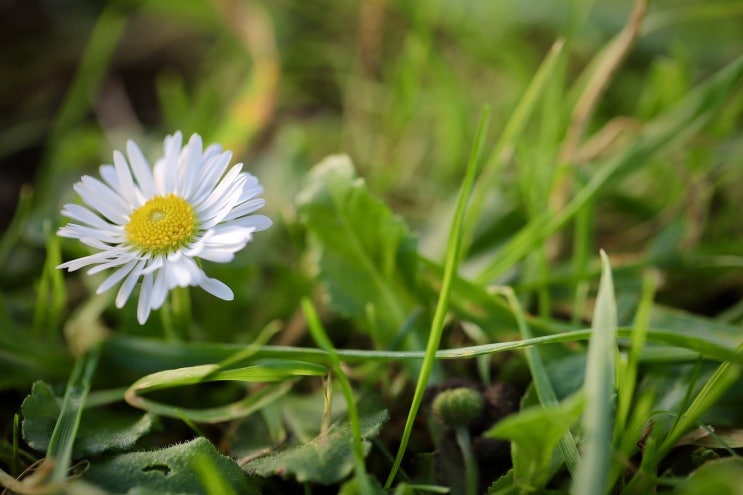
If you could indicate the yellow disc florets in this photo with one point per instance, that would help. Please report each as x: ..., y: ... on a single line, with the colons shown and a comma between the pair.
x: 162, y: 225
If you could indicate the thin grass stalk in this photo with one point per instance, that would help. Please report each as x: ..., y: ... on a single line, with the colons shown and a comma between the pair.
x: 506, y: 144
x: 540, y: 379
x: 323, y: 341
x: 142, y: 353
x: 453, y: 255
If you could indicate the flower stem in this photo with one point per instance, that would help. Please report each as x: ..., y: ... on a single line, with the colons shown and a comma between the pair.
x: 471, y: 475
x: 176, y: 315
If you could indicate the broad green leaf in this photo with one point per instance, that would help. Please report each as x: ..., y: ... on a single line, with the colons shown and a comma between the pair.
x: 503, y: 485
x: 719, y: 477
x: 534, y: 434
x: 166, y: 470
x: 326, y: 459
x: 101, y: 430
x: 364, y: 253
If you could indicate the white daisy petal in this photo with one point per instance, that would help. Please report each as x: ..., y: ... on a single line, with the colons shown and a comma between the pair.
x: 73, y: 265
x: 141, y: 169
x: 217, y: 254
x: 116, y: 277
x: 124, y: 176
x: 144, y: 305
x: 151, y: 223
x: 171, y: 162
x: 231, y: 234
x: 111, y: 264
x: 84, y: 215
x: 80, y: 231
x: 217, y: 288
x: 185, y: 272
x: 102, y: 198
x: 211, y: 151
x: 128, y: 285
x: 209, y: 178
x: 159, y: 289
x: 108, y: 172
x: 245, y: 208
x: 191, y: 165
x: 258, y: 222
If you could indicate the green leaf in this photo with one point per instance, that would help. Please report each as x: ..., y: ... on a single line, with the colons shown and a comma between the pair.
x: 719, y: 477
x: 364, y: 253
x: 326, y: 459
x: 166, y: 470
x: 535, y: 433
x: 100, y: 430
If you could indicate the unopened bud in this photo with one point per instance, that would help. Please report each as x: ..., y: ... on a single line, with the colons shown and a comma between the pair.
x: 459, y: 406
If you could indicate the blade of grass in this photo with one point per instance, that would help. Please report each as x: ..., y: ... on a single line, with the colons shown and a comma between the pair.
x: 212, y: 480
x: 99, y: 51
x: 593, y: 470
x: 672, y: 126
x: 722, y: 379
x: 453, y: 256
x: 263, y: 371
x: 628, y: 374
x: 68, y: 421
x: 14, y: 231
x: 323, y: 341
x: 155, y: 355
x: 51, y: 290
x: 508, y: 139
x: 541, y: 380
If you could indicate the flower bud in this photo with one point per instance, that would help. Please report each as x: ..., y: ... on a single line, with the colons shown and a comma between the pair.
x: 458, y: 407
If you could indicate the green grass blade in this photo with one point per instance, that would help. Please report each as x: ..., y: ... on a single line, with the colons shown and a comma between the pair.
x: 271, y: 370
x: 593, y: 470
x: 150, y: 355
x: 541, y: 380
x: 211, y: 478
x: 453, y: 255
x: 68, y: 422
x: 51, y: 290
x: 323, y: 341
x: 672, y: 126
x: 508, y: 139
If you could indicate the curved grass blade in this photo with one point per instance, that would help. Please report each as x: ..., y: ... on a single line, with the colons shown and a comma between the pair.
x: 264, y: 371
x: 321, y: 339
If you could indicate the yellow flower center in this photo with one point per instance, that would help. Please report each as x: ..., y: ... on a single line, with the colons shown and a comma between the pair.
x: 162, y: 225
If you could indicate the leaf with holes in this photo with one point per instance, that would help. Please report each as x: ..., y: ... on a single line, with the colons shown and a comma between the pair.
x: 168, y: 470
x: 326, y: 459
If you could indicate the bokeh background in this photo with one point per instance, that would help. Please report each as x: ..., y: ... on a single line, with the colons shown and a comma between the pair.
x: 396, y: 85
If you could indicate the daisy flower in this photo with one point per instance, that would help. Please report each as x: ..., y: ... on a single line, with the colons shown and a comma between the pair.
x: 153, y: 223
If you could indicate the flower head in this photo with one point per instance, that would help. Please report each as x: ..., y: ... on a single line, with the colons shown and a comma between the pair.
x: 151, y: 223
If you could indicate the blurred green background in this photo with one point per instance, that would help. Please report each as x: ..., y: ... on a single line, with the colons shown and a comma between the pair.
x: 396, y: 85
